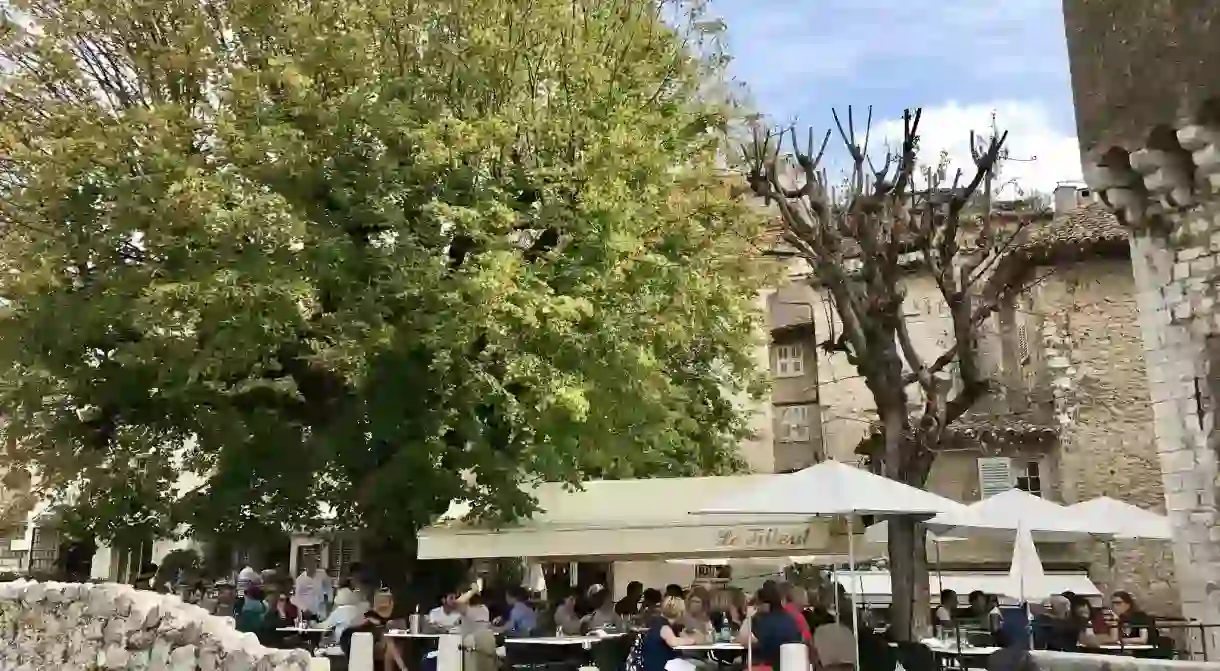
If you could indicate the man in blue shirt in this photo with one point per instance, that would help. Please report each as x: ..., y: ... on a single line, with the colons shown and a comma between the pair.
x: 522, y: 620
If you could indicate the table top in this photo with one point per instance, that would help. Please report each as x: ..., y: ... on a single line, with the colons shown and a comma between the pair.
x: 1124, y: 646
x: 562, y: 640
x: 711, y: 646
x: 950, y: 647
x: 302, y: 630
x: 403, y: 633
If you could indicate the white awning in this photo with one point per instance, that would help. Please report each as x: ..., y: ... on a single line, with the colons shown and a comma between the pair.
x: 874, y: 586
x: 632, y: 519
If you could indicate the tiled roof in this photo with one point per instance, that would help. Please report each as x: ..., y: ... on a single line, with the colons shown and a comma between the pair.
x: 973, y: 426
x: 1075, y: 232
x: 979, y: 425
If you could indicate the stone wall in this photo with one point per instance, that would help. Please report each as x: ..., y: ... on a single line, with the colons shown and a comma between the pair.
x: 1139, y: 64
x: 111, y: 626
x: 1110, y: 448
x: 1170, y: 196
x: 1071, y: 661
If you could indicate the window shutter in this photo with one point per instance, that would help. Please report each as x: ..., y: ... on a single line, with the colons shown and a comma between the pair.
x: 995, y: 475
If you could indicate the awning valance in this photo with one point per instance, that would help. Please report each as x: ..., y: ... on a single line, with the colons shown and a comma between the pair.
x: 632, y: 519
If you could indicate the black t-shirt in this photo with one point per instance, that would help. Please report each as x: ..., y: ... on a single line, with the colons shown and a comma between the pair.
x: 627, y: 606
x: 721, y: 619
x: 1136, y: 622
x: 773, y: 630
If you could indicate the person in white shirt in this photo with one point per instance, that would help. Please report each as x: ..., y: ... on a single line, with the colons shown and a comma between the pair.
x: 447, y: 617
x: 475, y: 615
x: 326, y: 591
x: 348, y: 609
x: 306, y: 593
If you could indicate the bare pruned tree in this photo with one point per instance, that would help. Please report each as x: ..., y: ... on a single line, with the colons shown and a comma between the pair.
x: 860, y: 240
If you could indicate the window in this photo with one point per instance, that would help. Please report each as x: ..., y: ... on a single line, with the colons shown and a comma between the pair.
x: 1029, y: 477
x: 44, y: 549
x: 995, y: 476
x: 339, y: 556
x: 794, y: 423
x: 789, y: 361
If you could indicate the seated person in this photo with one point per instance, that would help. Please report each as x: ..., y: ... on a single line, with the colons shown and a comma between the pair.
x: 348, y: 609
x: 522, y: 620
x: 658, y: 645
x: 447, y: 617
x: 377, y: 621
x: 1135, y: 627
x: 567, y: 621
x: 769, y: 629
x: 253, y: 611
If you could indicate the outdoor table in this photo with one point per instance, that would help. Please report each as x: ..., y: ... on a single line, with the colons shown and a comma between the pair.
x: 950, y: 650
x: 711, y: 647
x: 551, y: 650
x: 585, y: 642
x: 302, y: 630
x: 403, y: 633
x: 1125, y: 647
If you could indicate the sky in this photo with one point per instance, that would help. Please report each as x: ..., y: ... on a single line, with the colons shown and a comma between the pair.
x: 960, y: 60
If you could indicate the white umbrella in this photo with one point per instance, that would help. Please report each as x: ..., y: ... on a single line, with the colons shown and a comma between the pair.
x: 1132, y: 521
x: 833, y: 488
x: 1004, y: 513
x: 1026, y: 577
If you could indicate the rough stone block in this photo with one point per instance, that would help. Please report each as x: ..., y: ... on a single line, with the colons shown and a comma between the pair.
x: 64, y: 626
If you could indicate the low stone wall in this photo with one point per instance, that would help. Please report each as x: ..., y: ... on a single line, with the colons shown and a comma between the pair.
x: 109, y: 626
x: 1070, y: 661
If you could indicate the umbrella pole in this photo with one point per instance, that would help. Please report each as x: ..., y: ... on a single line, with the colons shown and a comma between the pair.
x: 855, y: 620
x: 834, y: 581
x: 940, y: 579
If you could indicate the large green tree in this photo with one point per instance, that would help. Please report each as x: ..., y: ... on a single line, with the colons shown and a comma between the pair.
x: 370, y: 254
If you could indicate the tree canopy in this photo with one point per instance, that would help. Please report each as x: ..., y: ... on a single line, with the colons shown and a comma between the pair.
x: 363, y: 257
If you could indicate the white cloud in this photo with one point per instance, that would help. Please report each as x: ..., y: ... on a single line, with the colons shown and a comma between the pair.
x: 1042, y: 155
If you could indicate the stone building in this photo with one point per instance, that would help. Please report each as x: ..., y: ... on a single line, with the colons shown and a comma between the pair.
x: 1071, y: 419
x: 1148, y: 117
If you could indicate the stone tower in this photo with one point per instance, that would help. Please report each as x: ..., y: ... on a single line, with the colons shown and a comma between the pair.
x: 1146, y: 82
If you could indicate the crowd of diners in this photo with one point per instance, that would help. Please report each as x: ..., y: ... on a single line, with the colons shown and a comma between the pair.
x: 1065, y: 622
x: 778, y: 613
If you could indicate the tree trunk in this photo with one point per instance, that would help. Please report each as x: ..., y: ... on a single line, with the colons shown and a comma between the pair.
x: 909, y: 610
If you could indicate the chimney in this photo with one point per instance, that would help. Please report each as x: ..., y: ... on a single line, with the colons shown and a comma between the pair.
x: 1069, y: 197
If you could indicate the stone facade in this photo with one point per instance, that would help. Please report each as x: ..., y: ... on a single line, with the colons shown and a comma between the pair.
x: 110, y: 626
x: 1168, y: 192
x: 1109, y: 447
x: 796, y: 413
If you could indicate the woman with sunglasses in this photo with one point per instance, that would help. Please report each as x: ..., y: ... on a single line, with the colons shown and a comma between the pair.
x: 1135, y: 627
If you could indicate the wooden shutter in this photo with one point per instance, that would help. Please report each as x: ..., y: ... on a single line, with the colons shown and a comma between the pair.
x: 995, y: 476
